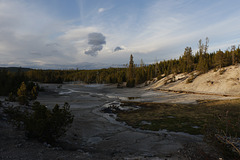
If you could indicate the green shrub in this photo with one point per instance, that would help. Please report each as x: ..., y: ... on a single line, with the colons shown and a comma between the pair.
x: 48, y: 125
x: 11, y: 97
x: 41, y: 123
x: 165, y: 81
x: 221, y: 130
x: 22, y: 94
x: 191, y: 78
x: 16, y: 116
x: 34, y: 93
x: 222, y: 71
x: 130, y: 83
x: 159, y: 77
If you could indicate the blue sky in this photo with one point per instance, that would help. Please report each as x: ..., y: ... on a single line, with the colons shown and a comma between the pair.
x: 58, y: 33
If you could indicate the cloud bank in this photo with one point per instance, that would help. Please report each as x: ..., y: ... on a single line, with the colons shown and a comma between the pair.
x: 149, y: 29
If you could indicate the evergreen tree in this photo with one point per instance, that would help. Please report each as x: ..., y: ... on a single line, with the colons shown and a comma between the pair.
x: 220, y: 60
x: 188, y: 59
x: 22, y: 94
x: 233, y: 50
x: 206, y: 45
x: 202, y: 65
x: 131, y: 80
x: 131, y: 68
x: 34, y: 93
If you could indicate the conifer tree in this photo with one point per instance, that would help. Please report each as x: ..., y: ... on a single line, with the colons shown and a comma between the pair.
x: 220, y: 60
x: 233, y: 50
x: 188, y: 59
x: 34, y: 93
x: 130, y: 77
x: 202, y: 65
x: 22, y: 94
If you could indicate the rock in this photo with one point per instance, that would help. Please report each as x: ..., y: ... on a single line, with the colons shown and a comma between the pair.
x: 19, y: 145
x: 57, y: 148
x: 69, y: 146
x: 107, y: 110
x: 145, y: 123
x: 47, y: 145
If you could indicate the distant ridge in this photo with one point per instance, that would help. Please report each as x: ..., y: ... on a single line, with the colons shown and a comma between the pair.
x: 15, y: 69
x: 80, y: 66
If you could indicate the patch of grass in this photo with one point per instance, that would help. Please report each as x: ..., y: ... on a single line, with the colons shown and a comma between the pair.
x: 188, y: 118
x: 212, y: 118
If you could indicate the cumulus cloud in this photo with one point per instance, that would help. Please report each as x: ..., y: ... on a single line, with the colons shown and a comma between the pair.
x: 118, y: 49
x: 96, y: 41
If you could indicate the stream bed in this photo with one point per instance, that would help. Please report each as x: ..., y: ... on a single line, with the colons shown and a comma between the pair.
x: 102, y: 137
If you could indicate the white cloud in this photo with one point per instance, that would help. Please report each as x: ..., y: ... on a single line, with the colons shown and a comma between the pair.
x: 27, y: 35
x: 100, y: 10
x: 162, y: 29
x: 166, y: 28
x: 77, y: 33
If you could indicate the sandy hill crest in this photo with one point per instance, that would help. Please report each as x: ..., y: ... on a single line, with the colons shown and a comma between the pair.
x: 225, y: 81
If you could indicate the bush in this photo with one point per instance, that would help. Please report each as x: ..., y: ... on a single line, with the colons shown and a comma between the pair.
x: 16, y: 116
x: 159, y: 77
x: 41, y: 123
x: 222, y: 71
x: 47, y: 125
x: 130, y: 83
x: 11, y: 97
x: 32, y: 90
x: 22, y: 94
x: 223, y: 130
x: 191, y: 78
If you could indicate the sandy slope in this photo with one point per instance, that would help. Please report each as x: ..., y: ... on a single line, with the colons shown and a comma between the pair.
x: 213, y: 82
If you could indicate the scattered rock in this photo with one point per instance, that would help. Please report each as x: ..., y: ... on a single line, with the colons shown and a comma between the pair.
x: 19, y: 145
x: 47, y: 145
x: 145, y: 123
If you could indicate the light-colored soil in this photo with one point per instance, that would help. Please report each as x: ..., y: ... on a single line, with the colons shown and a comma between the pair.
x: 225, y: 81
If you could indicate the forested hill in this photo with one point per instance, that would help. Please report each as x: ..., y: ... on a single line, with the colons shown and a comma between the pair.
x: 15, y: 69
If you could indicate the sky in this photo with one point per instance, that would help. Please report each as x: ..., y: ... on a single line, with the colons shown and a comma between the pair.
x: 57, y: 34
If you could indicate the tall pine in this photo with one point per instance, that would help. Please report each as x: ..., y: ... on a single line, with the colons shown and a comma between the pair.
x: 131, y: 76
x: 203, y: 65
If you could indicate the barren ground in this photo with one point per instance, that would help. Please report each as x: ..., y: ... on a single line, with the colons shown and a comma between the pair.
x: 96, y: 135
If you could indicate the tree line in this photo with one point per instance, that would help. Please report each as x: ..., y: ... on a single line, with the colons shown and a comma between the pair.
x: 133, y: 74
